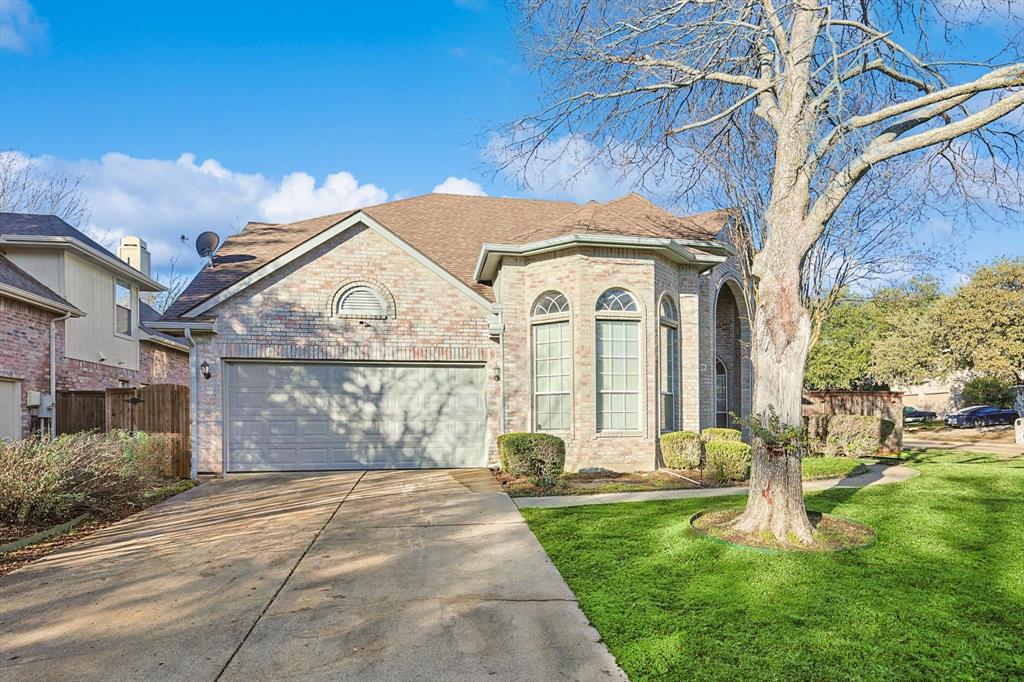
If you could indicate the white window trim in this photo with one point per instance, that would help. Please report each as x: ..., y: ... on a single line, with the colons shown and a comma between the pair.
x: 636, y: 316
x: 540, y: 321
x: 666, y: 323
x: 718, y: 362
x: 133, y: 308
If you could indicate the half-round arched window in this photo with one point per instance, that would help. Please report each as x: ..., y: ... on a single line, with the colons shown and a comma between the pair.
x: 551, y: 303
x: 617, y: 301
x: 361, y: 300
x: 668, y: 310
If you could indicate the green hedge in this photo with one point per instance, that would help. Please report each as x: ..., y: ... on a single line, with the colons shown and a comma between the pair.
x: 727, y: 460
x: 537, y: 456
x: 681, y: 449
x: 710, y: 435
x: 847, y: 435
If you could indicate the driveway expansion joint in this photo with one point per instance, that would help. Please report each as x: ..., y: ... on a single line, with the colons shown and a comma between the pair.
x: 288, y: 577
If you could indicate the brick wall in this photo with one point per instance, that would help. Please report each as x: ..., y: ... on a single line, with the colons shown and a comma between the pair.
x: 288, y: 315
x: 25, y: 348
x: 159, y: 364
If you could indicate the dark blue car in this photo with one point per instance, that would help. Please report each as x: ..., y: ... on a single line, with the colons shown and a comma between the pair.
x: 980, y: 415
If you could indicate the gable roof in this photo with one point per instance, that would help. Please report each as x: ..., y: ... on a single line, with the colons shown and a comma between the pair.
x: 14, y: 280
x: 450, y: 230
x: 49, y: 230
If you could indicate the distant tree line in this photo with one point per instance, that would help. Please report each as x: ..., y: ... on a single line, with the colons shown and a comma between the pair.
x: 913, y: 332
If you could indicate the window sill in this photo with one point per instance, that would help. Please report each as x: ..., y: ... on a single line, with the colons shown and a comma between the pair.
x: 127, y: 337
x: 619, y: 434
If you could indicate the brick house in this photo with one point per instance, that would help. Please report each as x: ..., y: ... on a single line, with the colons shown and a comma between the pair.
x: 61, y: 290
x: 412, y: 333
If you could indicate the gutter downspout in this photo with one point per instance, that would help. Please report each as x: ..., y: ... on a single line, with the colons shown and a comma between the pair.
x: 53, y: 371
x: 193, y: 399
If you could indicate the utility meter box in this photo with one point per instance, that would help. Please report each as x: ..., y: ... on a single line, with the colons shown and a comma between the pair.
x: 1018, y: 427
x: 45, y: 408
x: 32, y: 398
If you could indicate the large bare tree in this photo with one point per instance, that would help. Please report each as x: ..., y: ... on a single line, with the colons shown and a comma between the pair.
x: 826, y: 123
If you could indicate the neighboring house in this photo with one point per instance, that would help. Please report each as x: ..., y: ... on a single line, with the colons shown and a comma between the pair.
x: 58, y: 284
x: 413, y: 333
x: 942, y: 395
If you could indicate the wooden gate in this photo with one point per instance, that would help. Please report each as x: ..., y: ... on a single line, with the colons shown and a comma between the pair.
x: 157, y: 408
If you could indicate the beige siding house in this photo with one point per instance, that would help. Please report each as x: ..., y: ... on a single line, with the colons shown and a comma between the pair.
x: 72, y: 318
x: 412, y: 334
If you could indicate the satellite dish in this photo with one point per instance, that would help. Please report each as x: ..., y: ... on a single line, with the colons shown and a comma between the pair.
x: 207, y: 243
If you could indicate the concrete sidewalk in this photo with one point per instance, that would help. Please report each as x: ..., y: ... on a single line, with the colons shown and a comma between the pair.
x: 993, y: 447
x: 877, y: 474
x: 396, y: 575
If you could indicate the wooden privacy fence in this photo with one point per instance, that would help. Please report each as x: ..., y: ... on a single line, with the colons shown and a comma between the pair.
x: 157, y: 408
x: 885, y: 404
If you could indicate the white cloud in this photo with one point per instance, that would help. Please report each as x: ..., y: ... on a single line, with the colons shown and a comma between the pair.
x: 21, y: 28
x: 162, y: 199
x: 568, y: 167
x: 453, y: 185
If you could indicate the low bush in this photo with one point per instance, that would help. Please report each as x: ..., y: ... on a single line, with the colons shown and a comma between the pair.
x: 537, y: 456
x: 726, y: 460
x: 710, y: 435
x: 44, y: 480
x: 847, y: 435
x: 681, y: 450
x: 986, y: 390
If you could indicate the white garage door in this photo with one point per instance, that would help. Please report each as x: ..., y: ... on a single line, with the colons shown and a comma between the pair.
x: 324, y: 416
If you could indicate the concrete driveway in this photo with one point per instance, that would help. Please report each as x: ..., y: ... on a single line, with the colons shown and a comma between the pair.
x: 385, y: 575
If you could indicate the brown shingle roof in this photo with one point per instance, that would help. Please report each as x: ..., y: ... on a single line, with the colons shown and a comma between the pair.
x: 450, y: 229
x: 16, y: 278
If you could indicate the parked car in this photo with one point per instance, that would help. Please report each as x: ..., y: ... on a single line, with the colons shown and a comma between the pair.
x: 912, y: 415
x: 980, y: 415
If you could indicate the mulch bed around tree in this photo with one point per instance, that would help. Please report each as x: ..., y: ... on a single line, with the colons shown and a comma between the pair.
x: 831, y: 533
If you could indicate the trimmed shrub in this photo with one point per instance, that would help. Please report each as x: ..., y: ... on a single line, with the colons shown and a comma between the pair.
x: 681, y: 449
x: 45, y: 480
x: 716, y: 434
x: 986, y: 390
x: 847, y: 435
x: 537, y: 456
x: 727, y: 460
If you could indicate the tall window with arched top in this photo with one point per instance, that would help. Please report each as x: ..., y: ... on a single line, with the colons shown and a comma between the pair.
x: 668, y: 325
x: 721, y: 394
x: 552, y: 362
x: 618, y: 361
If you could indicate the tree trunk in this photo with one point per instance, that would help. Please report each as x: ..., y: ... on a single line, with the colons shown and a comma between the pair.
x: 779, y: 345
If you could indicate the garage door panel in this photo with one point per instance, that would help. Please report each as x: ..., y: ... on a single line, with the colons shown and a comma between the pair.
x: 349, y: 416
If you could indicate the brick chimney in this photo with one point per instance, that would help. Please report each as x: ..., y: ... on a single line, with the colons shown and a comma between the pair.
x: 133, y: 252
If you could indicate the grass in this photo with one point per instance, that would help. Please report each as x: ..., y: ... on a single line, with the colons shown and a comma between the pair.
x: 831, y: 467
x: 940, y: 595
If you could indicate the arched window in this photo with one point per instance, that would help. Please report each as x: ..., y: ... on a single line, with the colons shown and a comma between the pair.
x: 552, y: 363
x: 361, y: 300
x: 668, y: 325
x: 721, y: 395
x: 551, y: 303
x: 616, y: 301
x: 618, y: 362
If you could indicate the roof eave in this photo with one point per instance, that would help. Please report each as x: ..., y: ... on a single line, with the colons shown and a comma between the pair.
x: 699, y: 252
x: 171, y: 326
x: 39, y: 301
x: 128, y: 272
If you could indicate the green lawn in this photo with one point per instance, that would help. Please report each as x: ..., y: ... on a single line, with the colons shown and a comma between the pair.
x: 940, y: 595
x: 831, y: 467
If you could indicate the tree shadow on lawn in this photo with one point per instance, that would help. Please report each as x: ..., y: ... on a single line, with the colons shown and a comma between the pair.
x: 939, y: 595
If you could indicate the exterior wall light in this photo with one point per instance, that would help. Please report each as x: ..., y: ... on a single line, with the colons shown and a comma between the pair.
x: 204, y: 369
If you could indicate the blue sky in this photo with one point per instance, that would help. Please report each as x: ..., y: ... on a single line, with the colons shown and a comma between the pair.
x: 189, y: 116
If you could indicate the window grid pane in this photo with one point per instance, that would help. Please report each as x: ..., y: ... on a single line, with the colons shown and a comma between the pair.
x: 669, y: 378
x: 721, y: 395
x: 551, y: 302
x: 552, y: 371
x: 618, y: 375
